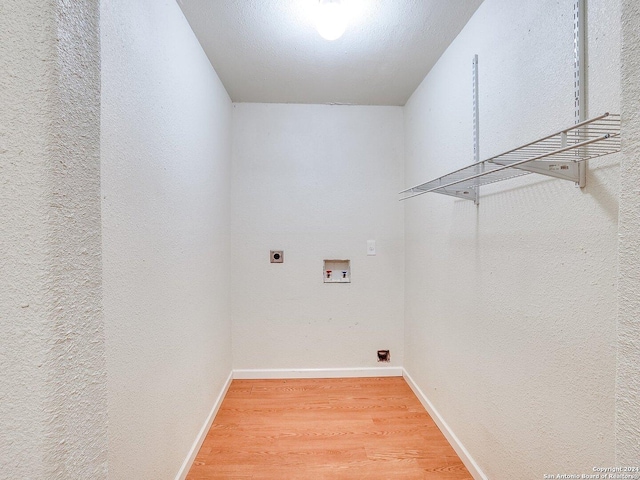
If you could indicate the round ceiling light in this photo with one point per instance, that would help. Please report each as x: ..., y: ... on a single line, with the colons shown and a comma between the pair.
x: 332, y: 19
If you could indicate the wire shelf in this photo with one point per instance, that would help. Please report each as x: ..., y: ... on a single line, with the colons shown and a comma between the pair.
x: 558, y: 155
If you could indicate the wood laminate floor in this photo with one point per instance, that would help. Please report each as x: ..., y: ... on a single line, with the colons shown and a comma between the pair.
x: 343, y: 428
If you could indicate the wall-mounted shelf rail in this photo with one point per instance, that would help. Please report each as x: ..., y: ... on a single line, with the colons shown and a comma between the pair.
x: 556, y: 155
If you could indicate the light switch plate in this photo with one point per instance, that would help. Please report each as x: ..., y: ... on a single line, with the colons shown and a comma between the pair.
x: 371, y: 247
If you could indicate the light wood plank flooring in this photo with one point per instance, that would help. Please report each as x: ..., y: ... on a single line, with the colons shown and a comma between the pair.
x: 346, y: 428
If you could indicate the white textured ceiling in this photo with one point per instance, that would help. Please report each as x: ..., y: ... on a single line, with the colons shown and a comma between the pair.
x: 269, y: 51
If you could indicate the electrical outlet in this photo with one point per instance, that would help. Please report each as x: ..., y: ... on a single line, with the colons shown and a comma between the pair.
x: 277, y: 256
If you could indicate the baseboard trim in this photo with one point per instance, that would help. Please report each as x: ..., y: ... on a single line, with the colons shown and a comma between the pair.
x: 462, y: 452
x: 317, y: 373
x: 186, y: 465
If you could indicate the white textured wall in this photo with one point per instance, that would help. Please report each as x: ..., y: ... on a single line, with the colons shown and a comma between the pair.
x: 317, y: 181
x: 165, y: 185
x: 511, y: 306
x: 628, y: 375
x: 52, y: 355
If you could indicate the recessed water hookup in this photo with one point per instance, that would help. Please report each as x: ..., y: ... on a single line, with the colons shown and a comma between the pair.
x: 277, y: 256
x: 336, y: 271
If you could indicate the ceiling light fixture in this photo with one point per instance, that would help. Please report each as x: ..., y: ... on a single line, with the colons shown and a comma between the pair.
x: 332, y: 19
